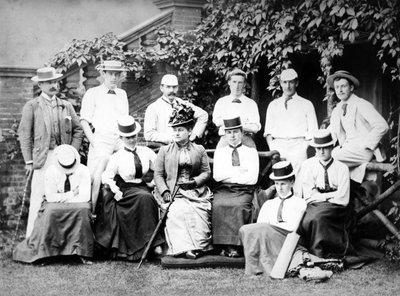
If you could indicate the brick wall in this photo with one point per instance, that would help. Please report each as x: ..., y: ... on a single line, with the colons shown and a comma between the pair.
x: 15, y: 89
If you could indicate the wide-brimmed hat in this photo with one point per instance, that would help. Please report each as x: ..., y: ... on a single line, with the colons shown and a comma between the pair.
x: 111, y: 65
x: 46, y: 74
x: 181, y: 115
x: 322, y: 138
x: 281, y: 170
x: 169, y: 79
x: 288, y: 74
x: 128, y: 127
x: 232, y: 123
x: 342, y: 74
x: 67, y: 158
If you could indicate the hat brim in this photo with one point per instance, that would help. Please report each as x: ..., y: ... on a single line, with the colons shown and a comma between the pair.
x: 71, y: 169
x: 276, y: 178
x: 135, y: 132
x: 37, y: 79
x: 182, y: 123
x: 233, y: 127
x: 313, y: 144
x: 332, y: 78
x: 100, y: 68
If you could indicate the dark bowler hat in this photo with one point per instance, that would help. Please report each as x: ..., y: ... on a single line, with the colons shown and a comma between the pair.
x: 342, y: 74
x: 127, y: 126
x: 281, y: 170
x: 232, y: 123
x: 46, y: 74
x: 322, y: 138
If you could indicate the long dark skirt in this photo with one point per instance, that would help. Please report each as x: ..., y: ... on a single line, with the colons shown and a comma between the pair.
x: 124, y: 228
x: 323, y: 230
x: 231, y: 209
x: 60, y: 229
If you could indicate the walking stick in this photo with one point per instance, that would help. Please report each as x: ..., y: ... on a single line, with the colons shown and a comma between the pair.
x: 22, y: 208
x: 153, y: 236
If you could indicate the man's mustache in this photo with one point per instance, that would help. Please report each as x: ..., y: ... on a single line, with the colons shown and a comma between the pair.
x: 172, y: 93
x: 53, y: 89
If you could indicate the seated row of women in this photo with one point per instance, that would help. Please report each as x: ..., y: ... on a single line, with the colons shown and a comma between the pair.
x: 198, y: 220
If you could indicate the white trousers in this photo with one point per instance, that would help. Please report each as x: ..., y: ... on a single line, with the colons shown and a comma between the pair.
x: 37, y: 192
x: 293, y: 150
x: 355, y: 157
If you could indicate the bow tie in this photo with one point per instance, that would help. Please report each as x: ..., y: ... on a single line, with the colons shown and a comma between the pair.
x: 111, y: 92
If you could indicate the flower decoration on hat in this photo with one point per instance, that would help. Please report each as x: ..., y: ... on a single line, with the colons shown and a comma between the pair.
x: 181, y: 115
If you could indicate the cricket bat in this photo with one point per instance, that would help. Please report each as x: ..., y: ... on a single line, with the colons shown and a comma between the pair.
x: 285, y: 255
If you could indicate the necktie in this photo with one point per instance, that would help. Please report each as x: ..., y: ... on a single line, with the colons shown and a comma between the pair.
x: 344, y: 108
x: 138, y: 164
x: 236, y: 101
x: 286, y: 101
x: 111, y: 92
x: 67, y: 184
x: 327, y: 186
x: 279, y: 216
x: 235, y: 155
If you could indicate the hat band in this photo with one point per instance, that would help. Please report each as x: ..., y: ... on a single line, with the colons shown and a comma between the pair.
x: 67, y: 166
x: 281, y: 172
x: 45, y: 75
x: 324, y: 140
x: 126, y: 129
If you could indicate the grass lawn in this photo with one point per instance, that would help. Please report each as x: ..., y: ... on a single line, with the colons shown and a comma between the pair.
x: 122, y: 278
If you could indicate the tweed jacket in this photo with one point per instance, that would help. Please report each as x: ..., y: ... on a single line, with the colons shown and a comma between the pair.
x: 166, y: 166
x: 35, y: 130
x: 370, y: 125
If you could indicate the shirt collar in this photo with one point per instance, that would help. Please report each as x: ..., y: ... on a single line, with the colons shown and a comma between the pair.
x: 106, y: 89
x: 287, y: 196
x: 47, y: 97
x: 166, y: 100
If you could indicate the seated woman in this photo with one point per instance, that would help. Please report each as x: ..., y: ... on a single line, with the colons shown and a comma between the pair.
x: 263, y: 240
x: 63, y: 226
x: 325, y: 184
x: 127, y: 211
x: 183, y: 163
x: 236, y: 168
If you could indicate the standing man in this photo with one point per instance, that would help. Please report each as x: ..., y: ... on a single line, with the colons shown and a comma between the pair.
x: 290, y: 122
x: 237, y: 104
x: 157, y: 116
x: 46, y: 123
x: 101, y: 107
x: 356, y: 125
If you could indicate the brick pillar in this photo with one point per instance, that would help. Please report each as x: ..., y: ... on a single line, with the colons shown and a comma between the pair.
x: 187, y: 13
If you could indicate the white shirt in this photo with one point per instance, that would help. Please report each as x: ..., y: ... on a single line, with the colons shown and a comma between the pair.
x: 157, y: 116
x: 102, y: 109
x: 54, y: 180
x: 292, y: 212
x: 247, y: 110
x: 312, y: 175
x: 122, y: 163
x: 246, y: 173
x: 299, y: 120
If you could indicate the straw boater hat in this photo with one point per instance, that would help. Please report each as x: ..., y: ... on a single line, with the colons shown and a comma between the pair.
x: 342, y: 74
x: 111, y: 66
x: 322, y: 138
x: 288, y: 74
x: 281, y: 170
x: 67, y: 158
x: 181, y: 115
x: 169, y: 79
x: 46, y: 74
x: 127, y: 126
x: 232, y: 123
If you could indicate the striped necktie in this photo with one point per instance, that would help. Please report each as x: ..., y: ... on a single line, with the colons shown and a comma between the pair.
x: 279, y: 215
x: 326, y: 177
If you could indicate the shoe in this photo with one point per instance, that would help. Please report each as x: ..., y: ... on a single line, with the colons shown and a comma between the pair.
x: 157, y: 251
x: 233, y: 252
x: 191, y: 255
